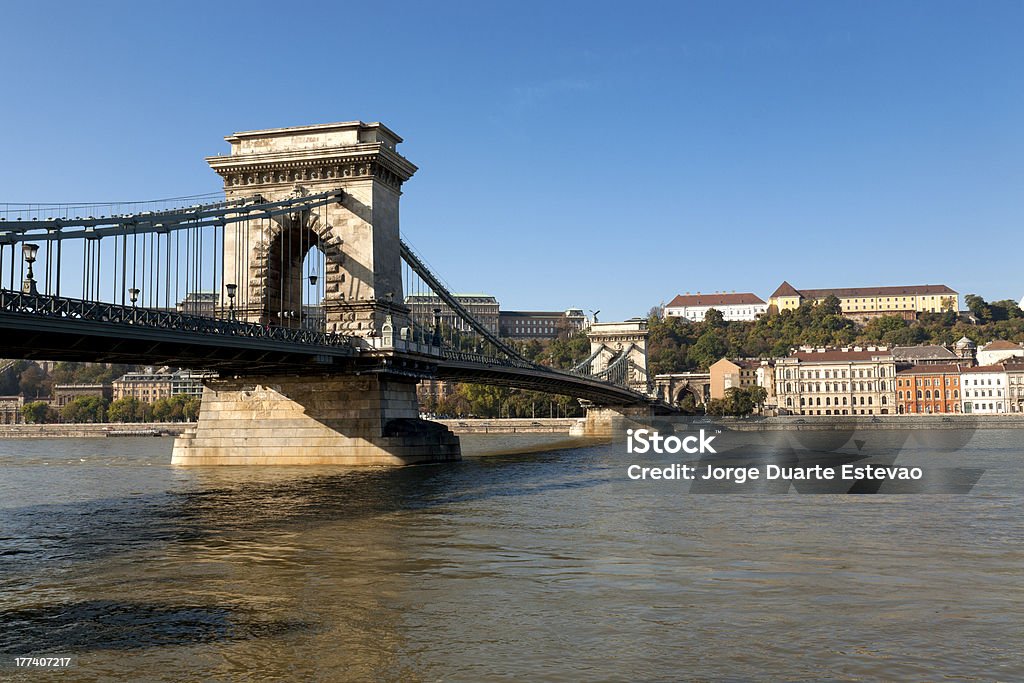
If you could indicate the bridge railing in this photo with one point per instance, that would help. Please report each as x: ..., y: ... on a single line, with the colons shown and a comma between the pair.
x: 46, y: 306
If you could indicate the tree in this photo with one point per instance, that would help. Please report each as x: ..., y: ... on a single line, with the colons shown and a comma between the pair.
x: 84, y: 409
x: 738, y: 401
x: 830, y: 305
x: 34, y: 383
x: 129, y: 409
x: 708, y: 349
x: 191, y: 408
x: 38, y: 412
x: 758, y: 395
x: 978, y: 307
x: 1006, y: 309
x: 714, y: 318
x: 172, y: 409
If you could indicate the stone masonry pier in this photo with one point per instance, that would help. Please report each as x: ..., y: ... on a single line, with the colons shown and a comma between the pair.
x: 334, y: 420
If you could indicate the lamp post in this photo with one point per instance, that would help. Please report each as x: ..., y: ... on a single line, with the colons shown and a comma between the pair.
x: 134, y: 294
x: 29, y: 252
x: 437, y: 327
x: 232, y: 288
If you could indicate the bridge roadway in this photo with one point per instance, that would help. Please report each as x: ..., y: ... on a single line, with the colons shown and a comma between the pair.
x: 40, y: 327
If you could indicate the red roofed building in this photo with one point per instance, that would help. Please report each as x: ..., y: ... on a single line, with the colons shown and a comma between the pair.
x: 929, y: 389
x: 693, y: 307
x: 846, y: 381
x: 869, y: 302
x: 999, y: 350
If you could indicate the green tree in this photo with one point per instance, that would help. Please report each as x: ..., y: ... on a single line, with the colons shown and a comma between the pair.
x: 129, y: 409
x: 38, y: 412
x: 190, y: 409
x: 171, y: 409
x: 709, y: 348
x: 34, y: 383
x: 84, y: 409
x: 978, y: 307
x: 714, y: 318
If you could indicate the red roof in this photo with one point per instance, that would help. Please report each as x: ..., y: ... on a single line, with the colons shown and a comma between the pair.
x: 1001, y: 345
x: 849, y: 292
x: 785, y: 289
x: 833, y: 356
x: 937, y: 369
x: 985, y: 368
x: 715, y: 300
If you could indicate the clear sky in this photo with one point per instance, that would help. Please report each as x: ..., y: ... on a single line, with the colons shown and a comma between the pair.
x: 600, y: 155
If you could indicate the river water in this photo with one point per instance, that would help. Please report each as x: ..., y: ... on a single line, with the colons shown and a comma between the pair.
x: 516, y: 564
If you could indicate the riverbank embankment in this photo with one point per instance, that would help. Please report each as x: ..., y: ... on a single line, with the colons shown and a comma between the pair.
x: 78, y: 431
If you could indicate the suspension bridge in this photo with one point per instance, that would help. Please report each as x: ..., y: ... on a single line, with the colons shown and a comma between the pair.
x: 292, y: 287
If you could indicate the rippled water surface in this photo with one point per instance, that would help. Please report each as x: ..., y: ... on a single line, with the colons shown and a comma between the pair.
x: 515, y: 566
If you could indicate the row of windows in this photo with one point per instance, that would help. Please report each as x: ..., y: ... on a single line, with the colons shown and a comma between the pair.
x: 938, y: 408
x: 839, y: 387
x: 979, y: 393
x: 829, y: 401
x: 928, y: 394
x: 883, y: 411
x: 927, y: 382
x: 835, y: 374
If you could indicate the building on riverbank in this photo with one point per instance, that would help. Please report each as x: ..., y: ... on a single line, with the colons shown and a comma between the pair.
x: 150, y: 387
x: 1015, y: 386
x: 984, y: 389
x: 64, y: 394
x: 829, y: 381
x: 929, y: 389
x: 743, y: 373
x: 10, y: 410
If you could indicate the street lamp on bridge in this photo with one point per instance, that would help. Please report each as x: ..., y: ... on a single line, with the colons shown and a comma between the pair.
x: 29, y: 251
x: 232, y: 288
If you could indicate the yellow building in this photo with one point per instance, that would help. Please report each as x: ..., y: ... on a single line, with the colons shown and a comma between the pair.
x: 867, y: 302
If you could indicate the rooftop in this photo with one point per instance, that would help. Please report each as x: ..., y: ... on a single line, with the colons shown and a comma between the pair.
x: 786, y: 289
x: 1002, y: 345
x: 922, y: 352
x: 841, y: 355
x: 939, y: 369
x: 716, y: 299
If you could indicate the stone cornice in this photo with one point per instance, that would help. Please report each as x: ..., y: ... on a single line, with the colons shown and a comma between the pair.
x: 354, y: 162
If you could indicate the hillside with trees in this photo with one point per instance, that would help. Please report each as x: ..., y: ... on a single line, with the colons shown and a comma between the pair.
x: 677, y: 345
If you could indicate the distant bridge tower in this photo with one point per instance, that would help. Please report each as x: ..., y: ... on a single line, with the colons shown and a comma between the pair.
x: 359, y: 237
x: 610, y: 341
x: 618, y: 352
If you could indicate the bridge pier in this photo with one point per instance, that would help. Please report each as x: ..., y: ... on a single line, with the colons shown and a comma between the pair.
x: 353, y: 420
x: 613, y: 421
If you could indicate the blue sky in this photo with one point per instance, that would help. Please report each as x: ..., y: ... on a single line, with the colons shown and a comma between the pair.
x: 600, y: 155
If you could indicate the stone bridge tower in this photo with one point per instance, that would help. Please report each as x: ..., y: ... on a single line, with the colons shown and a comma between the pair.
x: 359, y: 238
x: 353, y: 418
x: 610, y: 340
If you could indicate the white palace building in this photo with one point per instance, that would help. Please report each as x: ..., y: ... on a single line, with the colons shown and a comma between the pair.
x: 693, y: 307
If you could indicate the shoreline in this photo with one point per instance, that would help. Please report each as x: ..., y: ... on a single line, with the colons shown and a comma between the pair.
x: 88, y: 430
x: 563, y: 425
